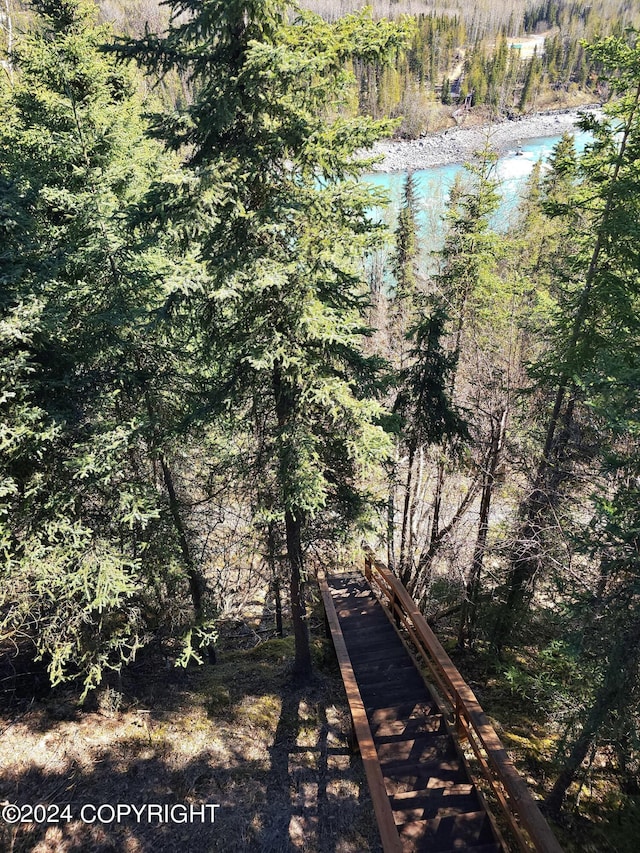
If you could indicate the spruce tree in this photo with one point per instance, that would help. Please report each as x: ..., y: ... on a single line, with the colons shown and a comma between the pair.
x: 282, y: 227
x: 461, y: 294
x: 405, y: 271
x: 532, y: 80
x: 595, y: 291
x: 87, y: 537
x: 607, y: 610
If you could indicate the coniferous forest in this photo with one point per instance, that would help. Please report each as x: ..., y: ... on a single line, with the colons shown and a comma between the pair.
x: 220, y: 372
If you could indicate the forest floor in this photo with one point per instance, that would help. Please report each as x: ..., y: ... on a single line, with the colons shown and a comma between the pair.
x: 275, y: 759
x: 458, y: 143
x: 527, y: 696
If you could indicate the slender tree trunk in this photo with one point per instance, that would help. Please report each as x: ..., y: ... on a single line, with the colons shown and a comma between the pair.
x: 277, y: 594
x: 302, y: 663
x: 196, y: 583
x: 437, y: 501
x: 528, y: 551
x: 420, y: 587
x: 285, y: 410
x: 405, y: 558
x: 9, y: 29
x: 472, y: 592
x: 275, y: 576
x: 196, y: 579
x: 413, y: 510
x: 391, y: 532
x: 526, y: 557
x: 391, y: 515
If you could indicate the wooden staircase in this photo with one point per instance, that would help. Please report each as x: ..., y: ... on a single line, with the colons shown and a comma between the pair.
x: 434, y: 804
x: 410, y: 731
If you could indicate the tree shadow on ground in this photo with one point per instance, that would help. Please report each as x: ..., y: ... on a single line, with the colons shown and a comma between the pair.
x: 309, y: 786
x: 275, y: 759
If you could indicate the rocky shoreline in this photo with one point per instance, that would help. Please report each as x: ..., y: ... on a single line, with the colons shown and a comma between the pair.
x: 458, y: 144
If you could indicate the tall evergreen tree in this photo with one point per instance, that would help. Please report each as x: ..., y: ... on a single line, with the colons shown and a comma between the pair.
x: 466, y: 272
x: 532, y: 80
x: 405, y: 271
x: 284, y: 239
x: 428, y: 416
x: 609, y: 610
x: 596, y: 292
x: 86, y: 535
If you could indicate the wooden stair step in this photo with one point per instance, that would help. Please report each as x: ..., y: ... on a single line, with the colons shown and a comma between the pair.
x: 390, y: 677
x: 424, y: 763
x: 409, y: 846
x: 351, y: 584
x: 372, y: 656
x: 453, y: 832
x: 354, y: 601
x: 387, y: 660
x: 448, y: 767
x: 409, y: 687
x: 363, y: 616
x: 344, y: 579
x: 375, y: 696
x: 357, y: 636
x: 353, y: 622
x: 426, y: 747
x: 357, y: 627
x: 447, y: 790
x: 383, y: 667
x: 400, y: 778
x: 353, y: 593
x: 386, y: 673
x: 429, y: 805
x: 387, y: 640
x: 392, y: 730
x: 401, y: 712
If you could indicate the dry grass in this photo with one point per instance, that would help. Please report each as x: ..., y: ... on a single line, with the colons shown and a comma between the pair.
x: 275, y: 758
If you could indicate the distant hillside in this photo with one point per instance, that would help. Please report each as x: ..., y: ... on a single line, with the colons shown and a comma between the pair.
x: 468, y: 60
x: 127, y: 16
x: 482, y: 18
x: 482, y: 15
x: 131, y: 16
x: 485, y: 17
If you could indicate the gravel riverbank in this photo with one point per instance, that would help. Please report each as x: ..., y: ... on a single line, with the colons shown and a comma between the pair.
x: 459, y: 143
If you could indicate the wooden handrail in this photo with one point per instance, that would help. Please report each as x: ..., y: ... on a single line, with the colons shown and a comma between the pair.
x: 470, y: 719
x: 381, y: 805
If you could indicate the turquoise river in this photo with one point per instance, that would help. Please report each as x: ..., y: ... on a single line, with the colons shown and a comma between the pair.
x: 433, y: 186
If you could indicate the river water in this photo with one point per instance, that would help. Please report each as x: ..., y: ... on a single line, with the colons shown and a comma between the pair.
x: 433, y: 186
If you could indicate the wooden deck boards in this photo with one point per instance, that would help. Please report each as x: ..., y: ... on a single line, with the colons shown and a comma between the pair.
x: 422, y: 787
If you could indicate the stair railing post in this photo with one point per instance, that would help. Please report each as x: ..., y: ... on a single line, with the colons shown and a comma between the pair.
x: 367, y: 567
x: 460, y: 728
